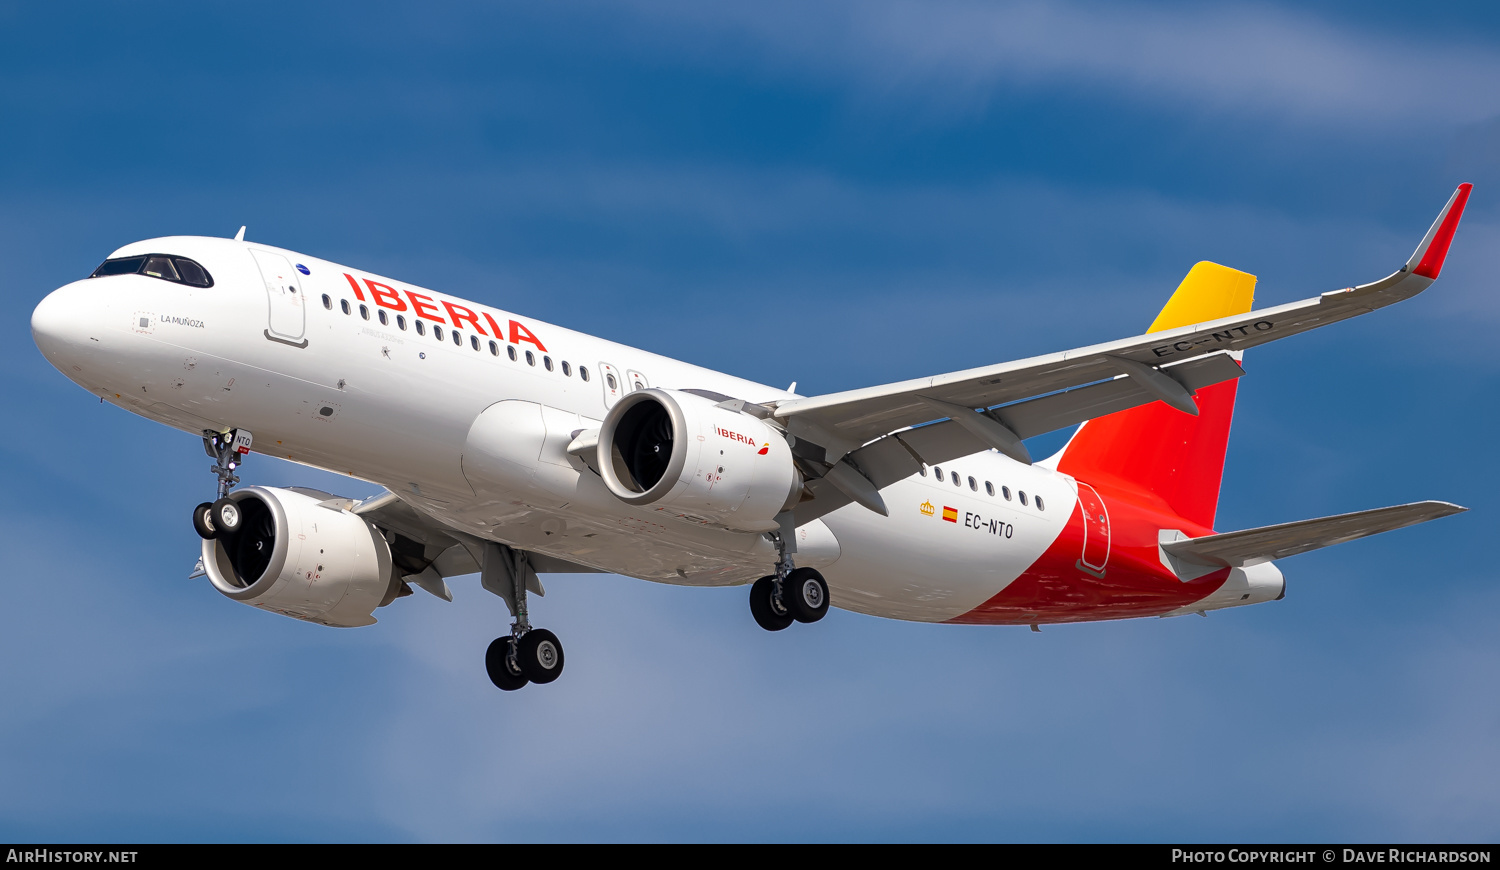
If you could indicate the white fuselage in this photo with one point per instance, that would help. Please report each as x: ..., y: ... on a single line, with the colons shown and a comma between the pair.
x: 353, y: 395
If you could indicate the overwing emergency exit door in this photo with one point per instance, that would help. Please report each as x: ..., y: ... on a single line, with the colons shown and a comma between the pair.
x: 287, y: 318
x: 609, y: 378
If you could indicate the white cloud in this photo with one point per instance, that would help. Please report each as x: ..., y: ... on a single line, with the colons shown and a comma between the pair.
x: 1238, y: 60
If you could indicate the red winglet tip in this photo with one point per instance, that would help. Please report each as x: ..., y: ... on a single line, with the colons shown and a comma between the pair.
x: 1432, y: 259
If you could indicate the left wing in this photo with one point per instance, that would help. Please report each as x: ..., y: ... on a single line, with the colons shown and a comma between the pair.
x: 427, y: 552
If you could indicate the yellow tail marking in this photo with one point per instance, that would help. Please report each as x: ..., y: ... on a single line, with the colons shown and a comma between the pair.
x: 1209, y: 291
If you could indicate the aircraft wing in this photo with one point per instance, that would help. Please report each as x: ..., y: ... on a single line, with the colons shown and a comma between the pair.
x: 841, y: 422
x: 1266, y: 544
x: 427, y: 552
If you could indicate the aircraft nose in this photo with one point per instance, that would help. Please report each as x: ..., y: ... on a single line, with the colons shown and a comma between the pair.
x: 50, y: 323
x: 60, y: 325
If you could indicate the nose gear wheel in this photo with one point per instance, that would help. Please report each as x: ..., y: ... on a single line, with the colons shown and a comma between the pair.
x: 222, y: 518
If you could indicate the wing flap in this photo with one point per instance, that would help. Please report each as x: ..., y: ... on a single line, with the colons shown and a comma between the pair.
x: 1266, y: 544
x: 901, y: 454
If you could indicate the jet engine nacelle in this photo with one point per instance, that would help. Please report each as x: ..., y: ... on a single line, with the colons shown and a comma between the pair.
x: 687, y: 455
x: 293, y: 557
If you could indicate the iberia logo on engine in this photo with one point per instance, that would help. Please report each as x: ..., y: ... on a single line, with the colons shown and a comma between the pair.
x: 743, y: 439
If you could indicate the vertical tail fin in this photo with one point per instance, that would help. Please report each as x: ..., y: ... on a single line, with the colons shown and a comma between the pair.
x: 1155, y: 448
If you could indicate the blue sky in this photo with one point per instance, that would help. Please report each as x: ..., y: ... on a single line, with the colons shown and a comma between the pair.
x: 839, y: 194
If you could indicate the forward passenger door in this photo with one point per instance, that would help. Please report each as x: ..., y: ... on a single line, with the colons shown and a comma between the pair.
x: 287, y: 318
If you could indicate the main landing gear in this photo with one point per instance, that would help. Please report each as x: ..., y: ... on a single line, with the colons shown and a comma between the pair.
x: 222, y: 517
x: 790, y: 595
x: 526, y: 655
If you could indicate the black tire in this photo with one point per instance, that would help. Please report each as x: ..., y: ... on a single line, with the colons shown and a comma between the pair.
x: 806, y: 595
x: 496, y: 662
x: 201, y: 522
x: 763, y: 608
x: 540, y: 655
x: 226, y: 516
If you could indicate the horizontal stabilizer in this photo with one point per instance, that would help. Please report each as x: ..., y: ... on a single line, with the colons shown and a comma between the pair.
x: 1268, y: 543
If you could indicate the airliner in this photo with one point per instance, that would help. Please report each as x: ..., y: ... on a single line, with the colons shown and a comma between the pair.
x: 512, y: 448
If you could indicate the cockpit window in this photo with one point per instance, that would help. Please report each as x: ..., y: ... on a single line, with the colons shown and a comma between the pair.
x: 192, y: 273
x: 160, y: 267
x: 122, y: 266
x: 178, y: 270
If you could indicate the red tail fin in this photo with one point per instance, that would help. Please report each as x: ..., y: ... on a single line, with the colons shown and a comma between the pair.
x: 1155, y: 449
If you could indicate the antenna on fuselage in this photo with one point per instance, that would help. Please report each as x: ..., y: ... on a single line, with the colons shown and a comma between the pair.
x: 240, y: 236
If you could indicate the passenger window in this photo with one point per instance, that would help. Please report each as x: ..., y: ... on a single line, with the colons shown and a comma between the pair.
x: 547, y: 363
x: 583, y: 372
x: 922, y: 471
x: 344, y: 304
x: 384, y: 320
x: 122, y: 266
x: 510, y: 351
x: 401, y: 322
x: 421, y: 327
x: 530, y: 358
x: 937, y: 474
x: 192, y: 273
x: 474, y: 342
x: 954, y: 474
x: 567, y: 370
x: 973, y: 484
x: 437, y: 332
x: 1005, y: 491
x: 610, y: 379
x: 494, y: 349
x: 327, y: 302
x: 458, y: 339
x: 1022, y: 494
x: 989, y: 487
x: 364, y: 312
x: 160, y: 267
x: 1039, y: 505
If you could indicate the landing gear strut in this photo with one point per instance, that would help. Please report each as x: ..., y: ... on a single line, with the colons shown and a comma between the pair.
x: 526, y: 655
x: 790, y: 595
x: 222, y: 517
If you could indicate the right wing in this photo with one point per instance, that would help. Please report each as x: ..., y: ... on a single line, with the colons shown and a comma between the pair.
x: 1166, y: 365
x: 1268, y: 543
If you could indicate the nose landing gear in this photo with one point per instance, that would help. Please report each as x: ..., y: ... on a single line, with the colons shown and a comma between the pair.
x: 790, y: 595
x: 222, y: 517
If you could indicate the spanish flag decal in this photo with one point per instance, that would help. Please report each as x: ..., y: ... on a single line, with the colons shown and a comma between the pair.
x: 950, y: 514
